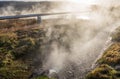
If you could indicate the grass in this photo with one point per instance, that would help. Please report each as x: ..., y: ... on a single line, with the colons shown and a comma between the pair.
x: 15, y: 45
x: 16, y: 23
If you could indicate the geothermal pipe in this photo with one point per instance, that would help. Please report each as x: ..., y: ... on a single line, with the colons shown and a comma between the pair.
x: 34, y: 15
x: 31, y: 15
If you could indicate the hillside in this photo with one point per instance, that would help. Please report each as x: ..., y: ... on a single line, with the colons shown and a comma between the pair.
x: 21, y: 44
x: 21, y: 7
x: 108, y: 66
x: 19, y: 41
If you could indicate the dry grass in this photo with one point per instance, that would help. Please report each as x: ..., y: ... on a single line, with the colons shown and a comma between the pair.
x: 18, y: 38
x: 16, y: 24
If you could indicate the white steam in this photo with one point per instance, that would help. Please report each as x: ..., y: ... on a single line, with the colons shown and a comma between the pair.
x: 75, y: 46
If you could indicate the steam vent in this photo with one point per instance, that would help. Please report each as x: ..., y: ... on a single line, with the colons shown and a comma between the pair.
x: 59, y: 39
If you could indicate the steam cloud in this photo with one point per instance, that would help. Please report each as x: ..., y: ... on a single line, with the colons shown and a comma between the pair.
x: 72, y: 46
x: 75, y: 46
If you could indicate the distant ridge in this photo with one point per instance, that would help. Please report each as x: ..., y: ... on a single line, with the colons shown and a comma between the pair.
x: 20, y: 6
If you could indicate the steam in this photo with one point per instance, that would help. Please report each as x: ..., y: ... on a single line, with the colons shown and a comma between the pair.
x: 75, y: 46
x: 21, y: 8
x: 72, y: 45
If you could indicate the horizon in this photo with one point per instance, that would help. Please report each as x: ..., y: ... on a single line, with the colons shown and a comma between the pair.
x: 76, y: 1
x: 81, y: 2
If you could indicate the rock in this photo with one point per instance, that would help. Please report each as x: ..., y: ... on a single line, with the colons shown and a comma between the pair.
x: 53, y: 74
x: 39, y: 72
x: 117, y: 67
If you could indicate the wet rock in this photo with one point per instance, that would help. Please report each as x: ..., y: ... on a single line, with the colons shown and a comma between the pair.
x: 1, y: 76
x: 53, y: 74
x: 39, y: 72
x: 117, y: 67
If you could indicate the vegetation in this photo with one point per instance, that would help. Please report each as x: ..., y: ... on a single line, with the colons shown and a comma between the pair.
x: 15, y: 45
x: 111, y: 55
x: 103, y: 72
x: 16, y: 23
x: 42, y: 77
x: 17, y: 42
x: 109, y: 60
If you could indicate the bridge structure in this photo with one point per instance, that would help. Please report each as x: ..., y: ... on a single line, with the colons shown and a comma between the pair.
x: 39, y: 19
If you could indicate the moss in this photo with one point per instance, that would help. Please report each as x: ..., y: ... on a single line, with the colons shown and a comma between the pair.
x: 20, y: 46
x: 102, y: 72
x: 110, y: 58
x: 15, y: 44
x: 43, y: 77
x: 111, y: 55
x: 15, y: 70
x: 7, y: 43
x: 14, y: 73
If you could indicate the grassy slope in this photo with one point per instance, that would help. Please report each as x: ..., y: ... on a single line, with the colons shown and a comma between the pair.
x: 20, y: 42
x: 109, y: 60
x: 17, y: 40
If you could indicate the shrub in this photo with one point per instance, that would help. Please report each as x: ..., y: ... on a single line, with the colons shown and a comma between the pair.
x: 102, y: 72
x: 111, y: 55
